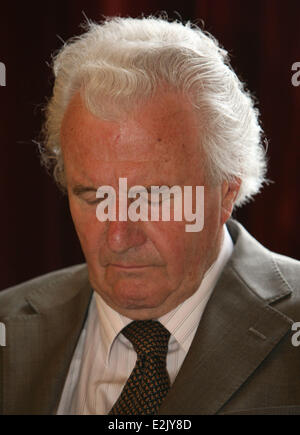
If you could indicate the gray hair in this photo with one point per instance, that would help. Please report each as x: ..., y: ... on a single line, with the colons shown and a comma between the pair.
x: 122, y: 61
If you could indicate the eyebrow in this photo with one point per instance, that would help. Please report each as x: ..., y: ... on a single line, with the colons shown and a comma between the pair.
x: 79, y: 189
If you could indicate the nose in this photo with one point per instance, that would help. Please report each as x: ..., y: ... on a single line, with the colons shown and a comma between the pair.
x: 123, y: 235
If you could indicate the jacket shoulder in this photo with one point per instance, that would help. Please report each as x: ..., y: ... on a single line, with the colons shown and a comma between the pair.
x: 288, y: 271
x: 269, y: 275
x: 288, y: 268
x: 13, y: 300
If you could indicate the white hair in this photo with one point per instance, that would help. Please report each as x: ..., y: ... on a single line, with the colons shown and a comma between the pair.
x: 122, y: 61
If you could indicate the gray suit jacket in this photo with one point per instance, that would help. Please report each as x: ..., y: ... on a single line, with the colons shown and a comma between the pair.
x: 241, y: 361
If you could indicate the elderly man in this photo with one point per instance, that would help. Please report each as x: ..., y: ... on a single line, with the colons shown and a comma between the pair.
x: 159, y: 319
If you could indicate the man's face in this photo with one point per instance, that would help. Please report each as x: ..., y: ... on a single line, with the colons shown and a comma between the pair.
x: 141, y: 269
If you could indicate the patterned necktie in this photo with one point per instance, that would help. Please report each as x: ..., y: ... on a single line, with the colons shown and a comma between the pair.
x: 149, y: 381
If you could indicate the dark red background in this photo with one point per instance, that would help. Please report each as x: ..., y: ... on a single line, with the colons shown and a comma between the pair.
x: 263, y: 36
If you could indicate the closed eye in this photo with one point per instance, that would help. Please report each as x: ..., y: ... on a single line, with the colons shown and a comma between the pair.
x: 91, y: 200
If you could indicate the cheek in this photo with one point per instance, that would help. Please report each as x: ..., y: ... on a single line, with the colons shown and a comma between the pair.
x: 169, y: 241
x: 213, y: 202
x: 87, y: 226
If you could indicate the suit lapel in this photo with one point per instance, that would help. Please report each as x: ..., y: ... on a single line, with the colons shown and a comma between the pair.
x: 40, y: 346
x: 237, y: 332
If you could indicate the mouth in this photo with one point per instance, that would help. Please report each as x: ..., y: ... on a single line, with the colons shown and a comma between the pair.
x: 129, y: 267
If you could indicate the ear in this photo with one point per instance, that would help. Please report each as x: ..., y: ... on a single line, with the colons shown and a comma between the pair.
x: 229, y: 194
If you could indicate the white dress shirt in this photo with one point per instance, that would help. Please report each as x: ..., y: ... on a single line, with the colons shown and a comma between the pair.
x: 104, y: 358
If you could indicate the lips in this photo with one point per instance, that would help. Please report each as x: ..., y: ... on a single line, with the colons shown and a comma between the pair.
x: 123, y: 266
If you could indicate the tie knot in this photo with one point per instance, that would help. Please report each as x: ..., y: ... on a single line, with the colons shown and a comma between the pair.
x: 148, y: 337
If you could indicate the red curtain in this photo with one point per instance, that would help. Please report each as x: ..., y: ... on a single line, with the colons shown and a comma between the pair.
x: 262, y: 36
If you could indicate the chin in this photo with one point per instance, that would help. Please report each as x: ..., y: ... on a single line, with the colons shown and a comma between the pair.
x: 132, y: 297
x: 136, y: 296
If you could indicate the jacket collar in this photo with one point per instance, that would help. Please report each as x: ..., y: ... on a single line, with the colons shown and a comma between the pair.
x: 62, y: 288
x: 238, y: 330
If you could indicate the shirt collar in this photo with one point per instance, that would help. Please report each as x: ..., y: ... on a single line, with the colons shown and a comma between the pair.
x: 111, y: 324
x: 183, y: 320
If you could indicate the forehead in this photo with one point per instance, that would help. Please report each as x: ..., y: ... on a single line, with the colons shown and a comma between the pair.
x: 163, y: 133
